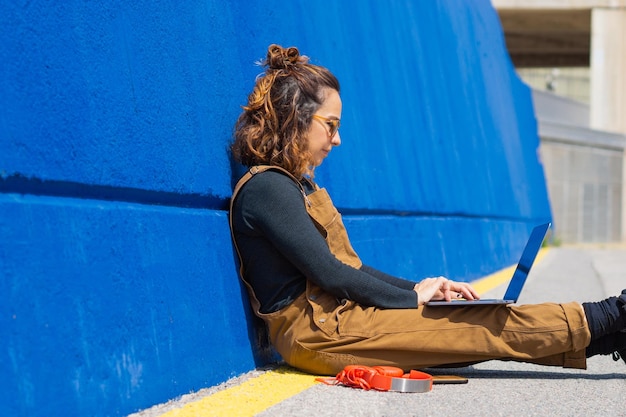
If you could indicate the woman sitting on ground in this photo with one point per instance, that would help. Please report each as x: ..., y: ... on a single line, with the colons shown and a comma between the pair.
x: 323, y: 307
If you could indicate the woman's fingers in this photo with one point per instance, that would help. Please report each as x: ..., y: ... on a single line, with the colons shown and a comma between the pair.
x: 441, y: 288
x: 466, y: 291
x: 446, y: 289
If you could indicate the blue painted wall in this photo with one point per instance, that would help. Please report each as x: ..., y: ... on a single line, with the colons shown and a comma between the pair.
x: 118, y: 280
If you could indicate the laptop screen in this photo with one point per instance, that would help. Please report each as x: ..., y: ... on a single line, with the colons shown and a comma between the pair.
x: 526, y: 261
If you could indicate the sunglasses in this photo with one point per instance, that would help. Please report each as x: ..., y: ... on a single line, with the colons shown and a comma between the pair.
x: 333, y: 124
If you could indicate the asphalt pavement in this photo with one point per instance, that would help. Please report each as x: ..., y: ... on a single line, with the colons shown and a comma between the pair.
x: 495, y: 388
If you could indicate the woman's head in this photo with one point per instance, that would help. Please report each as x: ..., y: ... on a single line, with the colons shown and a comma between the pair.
x: 277, y: 125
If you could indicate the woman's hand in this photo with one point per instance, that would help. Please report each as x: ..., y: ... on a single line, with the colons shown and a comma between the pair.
x: 441, y: 288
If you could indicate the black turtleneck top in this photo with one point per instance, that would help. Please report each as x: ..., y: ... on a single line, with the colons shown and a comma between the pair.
x: 281, y: 247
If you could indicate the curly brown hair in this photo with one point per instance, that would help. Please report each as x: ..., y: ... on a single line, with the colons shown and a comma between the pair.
x: 272, y: 128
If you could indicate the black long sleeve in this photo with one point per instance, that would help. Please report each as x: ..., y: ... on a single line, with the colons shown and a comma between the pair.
x: 390, y: 279
x: 281, y: 247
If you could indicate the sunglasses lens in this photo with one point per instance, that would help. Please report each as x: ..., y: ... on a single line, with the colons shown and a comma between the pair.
x: 334, y: 127
x: 333, y: 124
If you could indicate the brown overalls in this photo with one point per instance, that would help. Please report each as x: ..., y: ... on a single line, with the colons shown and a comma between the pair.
x: 320, y: 334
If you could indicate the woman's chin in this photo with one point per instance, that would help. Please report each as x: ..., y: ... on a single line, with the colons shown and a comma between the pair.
x: 319, y: 160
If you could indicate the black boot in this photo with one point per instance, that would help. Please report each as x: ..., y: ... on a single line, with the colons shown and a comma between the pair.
x: 613, y: 344
x: 607, y: 316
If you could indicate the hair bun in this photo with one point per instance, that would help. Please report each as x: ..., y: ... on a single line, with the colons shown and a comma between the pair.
x: 279, y: 58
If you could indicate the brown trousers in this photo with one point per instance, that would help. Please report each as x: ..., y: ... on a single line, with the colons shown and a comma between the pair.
x: 319, y: 334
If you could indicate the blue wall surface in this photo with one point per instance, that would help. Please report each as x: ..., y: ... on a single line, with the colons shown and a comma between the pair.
x: 117, y: 276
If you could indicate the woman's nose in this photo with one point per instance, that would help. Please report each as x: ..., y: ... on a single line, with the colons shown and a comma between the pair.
x: 336, y: 140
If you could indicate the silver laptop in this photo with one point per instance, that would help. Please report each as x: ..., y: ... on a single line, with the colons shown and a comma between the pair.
x: 519, y: 276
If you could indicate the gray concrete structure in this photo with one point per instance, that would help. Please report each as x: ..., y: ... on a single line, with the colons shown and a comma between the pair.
x: 583, y: 169
x: 583, y: 150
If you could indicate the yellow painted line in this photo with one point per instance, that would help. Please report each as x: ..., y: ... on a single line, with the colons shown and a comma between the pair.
x: 250, y: 397
x: 260, y: 393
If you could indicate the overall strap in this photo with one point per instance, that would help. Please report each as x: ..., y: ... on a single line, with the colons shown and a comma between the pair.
x: 244, y: 179
x: 257, y: 169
